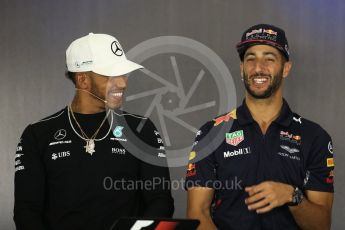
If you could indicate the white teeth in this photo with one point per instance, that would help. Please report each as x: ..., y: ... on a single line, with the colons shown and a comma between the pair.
x: 260, y: 80
x: 116, y: 94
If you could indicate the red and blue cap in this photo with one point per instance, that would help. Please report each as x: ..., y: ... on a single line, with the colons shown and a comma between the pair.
x: 264, y: 34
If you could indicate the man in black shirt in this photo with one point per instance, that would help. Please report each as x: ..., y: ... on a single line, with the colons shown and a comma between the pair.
x: 75, y: 169
x: 263, y: 166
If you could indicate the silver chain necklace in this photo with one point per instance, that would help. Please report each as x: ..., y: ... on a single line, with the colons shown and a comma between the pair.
x: 90, y: 142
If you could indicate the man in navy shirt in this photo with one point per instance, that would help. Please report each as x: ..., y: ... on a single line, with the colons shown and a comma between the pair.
x: 261, y: 166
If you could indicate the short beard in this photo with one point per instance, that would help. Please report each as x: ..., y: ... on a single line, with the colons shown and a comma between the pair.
x: 272, y: 88
x: 94, y: 90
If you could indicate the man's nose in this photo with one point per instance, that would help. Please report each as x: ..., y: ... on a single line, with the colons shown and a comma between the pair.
x: 259, y: 66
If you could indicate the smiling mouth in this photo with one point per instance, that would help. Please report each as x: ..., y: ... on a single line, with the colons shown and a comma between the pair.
x: 260, y: 80
x: 116, y: 94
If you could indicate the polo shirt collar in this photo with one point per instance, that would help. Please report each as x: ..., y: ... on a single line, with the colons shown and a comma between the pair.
x: 244, y: 116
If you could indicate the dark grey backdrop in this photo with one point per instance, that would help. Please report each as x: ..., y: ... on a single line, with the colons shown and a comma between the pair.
x: 34, y: 35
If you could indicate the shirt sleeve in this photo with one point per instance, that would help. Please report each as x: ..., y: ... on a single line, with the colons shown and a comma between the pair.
x: 201, y: 168
x: 29, y: 184
x: 320, y: 164
x: 156, y: 191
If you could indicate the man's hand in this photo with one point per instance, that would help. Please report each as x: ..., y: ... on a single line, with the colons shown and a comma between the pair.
x: 268, y: 195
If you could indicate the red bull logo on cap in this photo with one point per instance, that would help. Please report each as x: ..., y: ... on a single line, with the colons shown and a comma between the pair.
x: 269, y: 31
x: 259, y: 31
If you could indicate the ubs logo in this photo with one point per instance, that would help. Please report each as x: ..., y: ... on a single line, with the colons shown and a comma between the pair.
x: 116, y: 48
x: 60, y: 155
x: 60, y: 134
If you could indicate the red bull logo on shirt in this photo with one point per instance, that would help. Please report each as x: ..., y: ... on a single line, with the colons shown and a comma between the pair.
x: 296, y: 139
x: 234, y: 138
x: 191, y: 171
x: 225, y: 118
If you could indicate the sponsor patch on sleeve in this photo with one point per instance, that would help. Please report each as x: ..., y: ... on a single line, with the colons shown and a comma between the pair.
x: 330, y: 162
x: 191, y: 171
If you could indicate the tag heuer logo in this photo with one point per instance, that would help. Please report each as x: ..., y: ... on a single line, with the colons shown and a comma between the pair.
x: 234, y: 138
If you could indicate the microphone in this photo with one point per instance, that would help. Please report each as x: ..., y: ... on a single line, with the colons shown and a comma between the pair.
x: 93, y: 95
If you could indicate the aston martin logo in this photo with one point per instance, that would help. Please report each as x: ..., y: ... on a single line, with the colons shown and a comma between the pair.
x: 290, y: 150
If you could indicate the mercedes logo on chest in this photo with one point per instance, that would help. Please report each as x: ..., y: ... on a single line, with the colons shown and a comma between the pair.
x: 116, y: 48
x: 60, y: 134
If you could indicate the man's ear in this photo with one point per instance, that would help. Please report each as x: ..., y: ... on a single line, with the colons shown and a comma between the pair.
x: 241, y: 69
x: 287, y: 68
x: 82, y: 80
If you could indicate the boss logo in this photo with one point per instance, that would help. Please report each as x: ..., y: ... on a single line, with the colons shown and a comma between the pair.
x: 118, y: 151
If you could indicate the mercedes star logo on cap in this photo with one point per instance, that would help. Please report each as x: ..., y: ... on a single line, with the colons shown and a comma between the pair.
x: 115, y: 47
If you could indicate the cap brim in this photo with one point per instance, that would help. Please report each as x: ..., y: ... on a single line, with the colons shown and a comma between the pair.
x: 118, y: 69
x: 243, y: 46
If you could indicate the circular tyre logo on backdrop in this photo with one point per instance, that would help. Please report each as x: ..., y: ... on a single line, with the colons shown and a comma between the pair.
x: 184, y: 84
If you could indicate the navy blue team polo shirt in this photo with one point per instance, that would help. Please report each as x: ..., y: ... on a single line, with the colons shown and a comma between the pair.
x: 231, y: 153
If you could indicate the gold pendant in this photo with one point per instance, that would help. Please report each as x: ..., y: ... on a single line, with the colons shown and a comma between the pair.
x: 90, y: 146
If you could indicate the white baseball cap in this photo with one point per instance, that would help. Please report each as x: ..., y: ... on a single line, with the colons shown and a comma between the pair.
x: 99, y: 53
